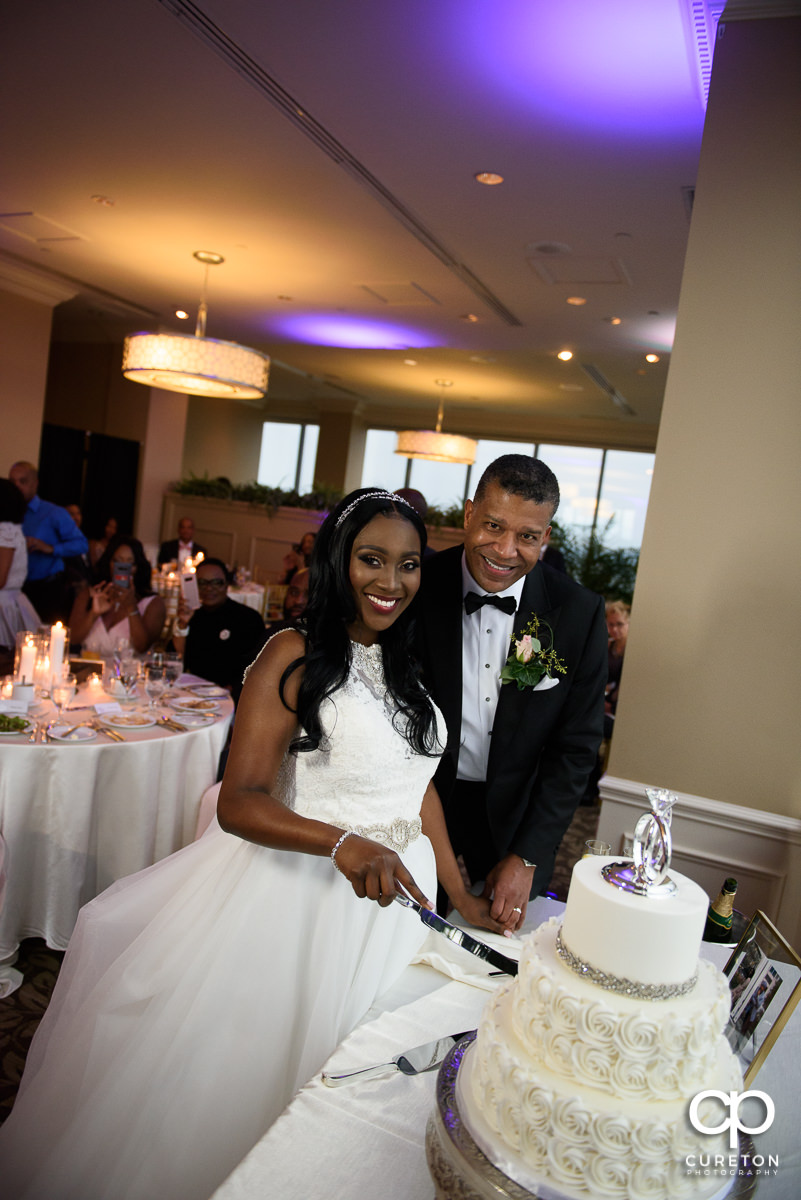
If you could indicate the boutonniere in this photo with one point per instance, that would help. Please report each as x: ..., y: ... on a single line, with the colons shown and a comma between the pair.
x: 532, y: 660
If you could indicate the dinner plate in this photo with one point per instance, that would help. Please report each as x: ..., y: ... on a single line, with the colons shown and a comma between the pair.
x: 28, y: 726
x: 82, y: 734
x: 195, y: 706
x: 193, y: 720
x: 209, y: 691
x: 130, y: 720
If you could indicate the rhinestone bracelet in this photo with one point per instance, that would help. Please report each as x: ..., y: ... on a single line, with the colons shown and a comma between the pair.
x: 346, y: 834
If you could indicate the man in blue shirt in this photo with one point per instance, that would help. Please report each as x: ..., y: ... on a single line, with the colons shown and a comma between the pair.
x: 51, y: 536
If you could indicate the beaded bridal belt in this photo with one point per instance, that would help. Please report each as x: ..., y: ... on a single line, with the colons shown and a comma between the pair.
x: 398, y: 835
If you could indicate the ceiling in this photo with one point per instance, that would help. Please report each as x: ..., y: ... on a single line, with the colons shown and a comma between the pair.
x: 328, y: 150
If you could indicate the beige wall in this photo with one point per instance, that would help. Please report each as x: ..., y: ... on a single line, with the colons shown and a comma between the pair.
x: 24, y: 344
x: 223, y: 437
x: 709, y: 703
x: 86, y: 389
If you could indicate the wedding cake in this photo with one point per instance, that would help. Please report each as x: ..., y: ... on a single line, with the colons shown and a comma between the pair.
x: 581, y: 1075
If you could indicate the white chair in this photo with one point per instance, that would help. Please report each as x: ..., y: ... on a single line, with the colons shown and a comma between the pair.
x: 208, y: 807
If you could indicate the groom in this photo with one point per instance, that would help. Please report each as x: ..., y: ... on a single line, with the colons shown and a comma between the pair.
x: 517, y: 762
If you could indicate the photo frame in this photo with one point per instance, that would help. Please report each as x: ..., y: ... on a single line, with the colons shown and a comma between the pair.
x: 764, y: 974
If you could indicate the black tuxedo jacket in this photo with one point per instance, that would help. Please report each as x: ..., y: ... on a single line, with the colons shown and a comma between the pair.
x: 544, y: 744
x: 168, y: 551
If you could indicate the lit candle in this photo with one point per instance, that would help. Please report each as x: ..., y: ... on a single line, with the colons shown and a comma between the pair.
x: 58, y: 636
x: 7, y: 689
x: 27, y: 660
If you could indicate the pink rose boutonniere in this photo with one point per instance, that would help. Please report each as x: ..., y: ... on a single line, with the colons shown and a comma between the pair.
x: 532, y: 660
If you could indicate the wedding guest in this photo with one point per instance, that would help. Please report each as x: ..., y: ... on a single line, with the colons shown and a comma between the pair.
x: 517, y: 761
x: 231, y: 970
x: 299, y: 556
x: 221, y: 638
x: 617, y: 625
x: 297, y: 596
x: 51, y: 535
x: 98, y: 546
x: 16, y: 611
x: 120, y: 605
x: 183, y: 547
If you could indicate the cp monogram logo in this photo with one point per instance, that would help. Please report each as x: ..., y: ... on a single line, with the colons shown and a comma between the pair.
x: 732, y: 1101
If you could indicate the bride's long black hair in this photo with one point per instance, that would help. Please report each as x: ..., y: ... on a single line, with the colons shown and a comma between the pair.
x: 332, y: 607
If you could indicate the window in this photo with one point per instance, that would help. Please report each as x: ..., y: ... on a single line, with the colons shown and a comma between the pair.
x: 288, y: 454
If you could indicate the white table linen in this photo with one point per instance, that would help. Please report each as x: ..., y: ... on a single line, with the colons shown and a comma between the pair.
x: 368, y: 1138
x: 251, y: 595
x: 76, y: 817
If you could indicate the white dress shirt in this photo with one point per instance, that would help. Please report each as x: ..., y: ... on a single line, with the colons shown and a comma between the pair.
x: 485, y: 648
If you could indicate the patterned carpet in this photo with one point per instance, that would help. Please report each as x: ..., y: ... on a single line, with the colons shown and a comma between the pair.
x: 21, y: 1012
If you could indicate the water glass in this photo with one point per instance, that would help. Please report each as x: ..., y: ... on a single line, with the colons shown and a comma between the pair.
x: 129, y: 675
x: 62, y: 690
x: 593, y: 846
x: 156, y: 683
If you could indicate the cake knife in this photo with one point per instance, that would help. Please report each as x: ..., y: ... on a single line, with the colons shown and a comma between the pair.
x: 507, y: 966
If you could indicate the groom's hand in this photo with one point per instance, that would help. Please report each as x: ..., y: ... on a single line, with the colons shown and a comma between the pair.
x: 509, y: 886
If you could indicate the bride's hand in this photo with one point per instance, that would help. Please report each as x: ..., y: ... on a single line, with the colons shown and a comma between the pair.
x: 374, y: 871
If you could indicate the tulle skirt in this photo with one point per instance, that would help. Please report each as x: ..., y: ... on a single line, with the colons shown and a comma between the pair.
x: 195, y: 998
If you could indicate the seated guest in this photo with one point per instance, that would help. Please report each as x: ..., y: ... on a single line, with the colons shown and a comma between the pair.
x: 183, y: 547
x: 298, y: 556
x: 98, y: 545
x: 51, y: 535
x: 221, y: 638
x: 16, y: 611
x: 120, y: 605
x: 295, y: 601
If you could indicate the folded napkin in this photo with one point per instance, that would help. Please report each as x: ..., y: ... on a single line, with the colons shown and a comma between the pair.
x: 449, y: 959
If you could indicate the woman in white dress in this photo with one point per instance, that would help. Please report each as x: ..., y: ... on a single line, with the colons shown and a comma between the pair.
x: 16, y: 611
x: 121, y: 605
x: 197, y: 996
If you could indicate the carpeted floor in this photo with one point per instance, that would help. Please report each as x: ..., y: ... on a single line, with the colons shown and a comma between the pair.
x: 21, y: 1012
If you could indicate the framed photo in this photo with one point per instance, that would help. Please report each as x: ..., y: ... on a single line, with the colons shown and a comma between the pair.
x: 764, y: 974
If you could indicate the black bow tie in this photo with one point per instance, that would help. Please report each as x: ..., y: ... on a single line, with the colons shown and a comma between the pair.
x: 473, y: 601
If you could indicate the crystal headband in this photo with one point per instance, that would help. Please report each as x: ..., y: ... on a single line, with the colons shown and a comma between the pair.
x: 626, y: 987
x: 369, y: 496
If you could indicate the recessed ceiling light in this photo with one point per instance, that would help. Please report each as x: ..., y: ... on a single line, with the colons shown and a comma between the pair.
x: 444, y: 382
x: 577, y: 300
x: 613, y: 320
x: 549, y: 248
x: 410, y: 362
x: 469, y: 317
x: 210, y: 257
x: 106, y: 201
x: 652, y: 358
x: 565, y: 355
x: 181, y: 315
x: 641, y: 371
x: 489, y: 177
x: 287, y: 298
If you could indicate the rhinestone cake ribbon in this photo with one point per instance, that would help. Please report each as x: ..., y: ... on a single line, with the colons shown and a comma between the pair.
x: 625, y: 987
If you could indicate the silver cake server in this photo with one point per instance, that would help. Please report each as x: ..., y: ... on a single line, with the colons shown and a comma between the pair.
x: 411, y: 1062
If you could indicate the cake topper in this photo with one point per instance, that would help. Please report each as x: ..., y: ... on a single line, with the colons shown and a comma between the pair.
x: 653, y: 846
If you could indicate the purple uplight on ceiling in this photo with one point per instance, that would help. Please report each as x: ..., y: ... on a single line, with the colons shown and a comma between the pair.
x: 618, y: 67
x: 357, y: 333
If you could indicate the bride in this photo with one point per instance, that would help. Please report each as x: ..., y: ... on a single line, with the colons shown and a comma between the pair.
x: 197, y: 996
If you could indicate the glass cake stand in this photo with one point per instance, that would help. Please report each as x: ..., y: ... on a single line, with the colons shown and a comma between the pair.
x: 461, y: 1171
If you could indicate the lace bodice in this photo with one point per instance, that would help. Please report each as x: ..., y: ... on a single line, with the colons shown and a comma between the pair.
x: 365, y: 775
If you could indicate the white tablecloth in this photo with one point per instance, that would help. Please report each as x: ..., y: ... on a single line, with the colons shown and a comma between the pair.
x: 368, y: 1139
x: 77, y: 817
x: 251, y: 595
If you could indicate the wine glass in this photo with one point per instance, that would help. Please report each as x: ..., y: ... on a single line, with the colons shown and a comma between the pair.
x: 129, y: 676
x: 173, y: 666
x: 156, y: 683
x: 62, y: 691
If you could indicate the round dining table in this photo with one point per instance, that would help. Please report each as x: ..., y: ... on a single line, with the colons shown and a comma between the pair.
x: 78, y: 815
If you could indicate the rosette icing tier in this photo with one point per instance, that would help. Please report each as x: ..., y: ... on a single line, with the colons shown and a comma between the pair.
x: 585, y: 1090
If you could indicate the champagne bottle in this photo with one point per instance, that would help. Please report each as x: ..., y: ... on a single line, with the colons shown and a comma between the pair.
x: 719, y: 916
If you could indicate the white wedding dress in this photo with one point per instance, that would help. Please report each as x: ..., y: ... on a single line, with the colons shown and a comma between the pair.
x: 197, y: 996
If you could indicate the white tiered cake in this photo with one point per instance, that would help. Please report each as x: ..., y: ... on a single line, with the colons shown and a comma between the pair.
x: 582, y: 1072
